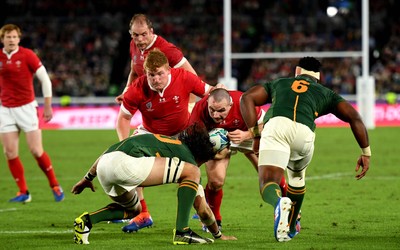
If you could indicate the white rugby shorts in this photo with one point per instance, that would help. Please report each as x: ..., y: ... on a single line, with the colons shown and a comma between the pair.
x: 23, y: 118
x: 119, y: 173
x: 285, y: 143
x: 244, y: 146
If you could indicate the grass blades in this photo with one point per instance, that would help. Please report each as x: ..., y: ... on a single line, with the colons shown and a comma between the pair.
x: 338, y: 212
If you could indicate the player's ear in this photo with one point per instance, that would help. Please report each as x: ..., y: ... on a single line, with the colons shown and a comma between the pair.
x: 298, y: 71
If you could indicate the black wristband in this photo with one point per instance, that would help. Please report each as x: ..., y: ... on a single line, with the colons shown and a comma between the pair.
x: 217, y: 235
x: 89, y: 176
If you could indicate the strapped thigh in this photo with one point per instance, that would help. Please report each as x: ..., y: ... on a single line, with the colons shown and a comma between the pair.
x: 173, y: 170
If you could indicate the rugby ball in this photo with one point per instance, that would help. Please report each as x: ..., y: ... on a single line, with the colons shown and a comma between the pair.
x: 219, y: 138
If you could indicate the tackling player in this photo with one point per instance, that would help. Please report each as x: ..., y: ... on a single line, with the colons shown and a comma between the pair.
x: 151, y: 160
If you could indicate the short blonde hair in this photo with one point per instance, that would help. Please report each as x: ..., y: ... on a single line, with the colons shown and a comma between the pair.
x: 8, y: 28
x: 154, y: 60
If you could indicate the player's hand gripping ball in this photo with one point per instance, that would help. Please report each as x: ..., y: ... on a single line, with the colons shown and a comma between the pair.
x: 219, y: 138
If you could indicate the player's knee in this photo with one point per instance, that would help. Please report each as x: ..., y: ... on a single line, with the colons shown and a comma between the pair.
x: 191, y: 173
x: 216, y: 184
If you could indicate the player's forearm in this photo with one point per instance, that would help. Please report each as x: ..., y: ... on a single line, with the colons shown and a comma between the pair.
x: 92, y: 172
x: 123, y: 128
x: 248, y: 111
x: 360, y: 133
x: 132, y: 76
x: 47, y: 102
x: 187, y: 66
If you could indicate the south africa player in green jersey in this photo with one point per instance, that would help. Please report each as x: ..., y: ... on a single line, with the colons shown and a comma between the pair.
x: 150, y: 160
x: 287, y: 139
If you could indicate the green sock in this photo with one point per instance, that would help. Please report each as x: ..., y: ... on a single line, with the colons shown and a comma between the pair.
x: 296, y: 194
x: 112, y: 211
x: 271, y: 192
x: 186, y: 194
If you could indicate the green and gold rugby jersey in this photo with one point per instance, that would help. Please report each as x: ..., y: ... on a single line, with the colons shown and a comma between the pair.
x: 154, y: 145
x: 300, y: 99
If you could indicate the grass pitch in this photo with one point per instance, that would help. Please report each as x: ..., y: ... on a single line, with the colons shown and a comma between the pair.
x: 338, y: 212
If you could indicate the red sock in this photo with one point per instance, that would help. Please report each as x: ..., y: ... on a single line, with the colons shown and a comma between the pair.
x: 283, y: 186
x: 17, y: 171
x: 144, y: 206
x: 214, y: 200
x: 44, y: 163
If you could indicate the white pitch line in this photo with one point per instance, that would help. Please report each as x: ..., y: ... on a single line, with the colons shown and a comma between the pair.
x: 8, y: 210
x: 327, y: 176
x: 37, y: 232
x: 331, y: 176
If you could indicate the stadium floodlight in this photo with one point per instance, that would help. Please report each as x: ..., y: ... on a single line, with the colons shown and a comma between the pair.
x: 331, y: 11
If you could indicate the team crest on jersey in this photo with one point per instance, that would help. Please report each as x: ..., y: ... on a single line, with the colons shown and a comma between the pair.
x: 149, y: 106
x: 18, y: 63
x: 236, y: 122
x: 176, y: 99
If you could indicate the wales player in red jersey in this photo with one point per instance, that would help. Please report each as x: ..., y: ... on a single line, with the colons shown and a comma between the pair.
x: 18, y: 110
x: 143, y: 41
x: 162, y: 97
x: 221, y: 109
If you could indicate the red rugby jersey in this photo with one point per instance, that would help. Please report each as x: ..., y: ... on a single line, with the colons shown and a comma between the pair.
x: 164, y: 113
x: 173, y: 53
x: 16, y: 76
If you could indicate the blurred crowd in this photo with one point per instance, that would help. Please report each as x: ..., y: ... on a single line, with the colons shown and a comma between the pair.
x: 85, y: 45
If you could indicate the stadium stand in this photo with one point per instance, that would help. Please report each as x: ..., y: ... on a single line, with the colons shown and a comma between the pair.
x: 85, y: 45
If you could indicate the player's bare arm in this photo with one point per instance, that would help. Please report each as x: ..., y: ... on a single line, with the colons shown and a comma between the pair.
x: 131, y: 77
x: 256, y: 96
x: 123, y: 125
x: 86, y: 181
x: 347, y: 113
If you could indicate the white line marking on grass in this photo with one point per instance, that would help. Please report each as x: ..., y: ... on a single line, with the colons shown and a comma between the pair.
x: 8, y: 210
x: 37, y: 232
x: 327, y: 176
x: 332, y: 176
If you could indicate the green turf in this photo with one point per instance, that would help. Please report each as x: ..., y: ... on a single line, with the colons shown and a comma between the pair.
x: 339, y: 212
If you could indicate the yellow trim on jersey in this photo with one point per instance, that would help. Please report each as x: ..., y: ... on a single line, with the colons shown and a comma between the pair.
x: 295, y: 108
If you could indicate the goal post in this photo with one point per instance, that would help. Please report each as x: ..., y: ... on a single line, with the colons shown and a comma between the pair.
x: 365, y: 87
